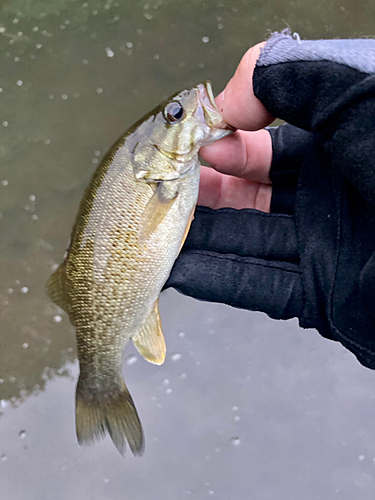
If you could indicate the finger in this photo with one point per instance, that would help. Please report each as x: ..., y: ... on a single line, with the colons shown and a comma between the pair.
x: 244, y: 282
x: 242, y: 154
x: 218, y: 190
x: 245, y: 233
x: 237, y: 103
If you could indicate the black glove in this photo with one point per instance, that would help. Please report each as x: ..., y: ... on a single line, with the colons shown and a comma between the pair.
x: 316, y: 260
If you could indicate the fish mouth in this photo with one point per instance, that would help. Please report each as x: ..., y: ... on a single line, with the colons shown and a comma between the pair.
x: 211, y: 112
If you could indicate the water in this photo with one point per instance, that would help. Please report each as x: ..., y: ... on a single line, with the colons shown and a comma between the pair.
x: 74, y: 75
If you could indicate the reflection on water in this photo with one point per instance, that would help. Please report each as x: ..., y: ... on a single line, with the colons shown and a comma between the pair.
x: 74, y: 75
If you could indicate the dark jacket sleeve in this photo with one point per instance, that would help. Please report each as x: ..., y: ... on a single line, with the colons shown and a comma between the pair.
x: 327, y: 88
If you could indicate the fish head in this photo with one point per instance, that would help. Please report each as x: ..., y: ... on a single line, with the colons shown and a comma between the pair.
x: 180, y: 126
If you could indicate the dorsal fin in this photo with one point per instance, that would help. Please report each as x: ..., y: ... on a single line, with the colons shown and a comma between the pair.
x: 150, y: 339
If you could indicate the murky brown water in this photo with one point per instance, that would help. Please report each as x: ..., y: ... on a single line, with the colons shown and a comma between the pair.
x: 246, y: 407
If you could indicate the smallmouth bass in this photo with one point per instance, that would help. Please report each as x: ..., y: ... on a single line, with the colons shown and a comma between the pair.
x: 131, y: 225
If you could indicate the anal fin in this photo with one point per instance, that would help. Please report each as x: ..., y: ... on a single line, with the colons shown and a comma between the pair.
x: 150, y: 340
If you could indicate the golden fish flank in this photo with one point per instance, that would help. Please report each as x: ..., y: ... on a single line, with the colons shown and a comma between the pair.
x: 132, y: 222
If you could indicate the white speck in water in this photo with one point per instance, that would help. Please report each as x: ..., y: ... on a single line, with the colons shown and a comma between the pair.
x: 70, y: 349
x: 166, y: 381
x: 35, y: 28
x: 24, y: 289
x: 64, y: 96
x: 5, y: 124
x: 154, y: 398
x: 181, y: 335
x: 147, y: 15
x: 85, y: 61
x: 34, y: 217
x: 10, y: 290
x: 94, y: 160
x: 99, y: 90
x: 183, y: 376
x: 67, y: 22
x: 22, y: 434
x: 235, y: 408
x: 97, y: 153
x: 57, y: 318
x: 12, y: 379
x: 4, y: 183
x: 129, y: 45
x: 168, y: 391
x: 131, y: 359
x: 51, y: 96
x: 16, y: 59
x: 1, y: 89
x: 205, y: 39
x: 109, y: 52
x: 62, y: 26
x: 235, y: 441
x: 217, y: 450
x: 19, y: 34
x: 47, y: 141
x: 32, y: 197
x: 19, y: 82
x: 156, y: 56
x: 220, y: 26
x: 15, y: 21
x: 17, y: 282
x: 3, y: 403
x: 210, y: 492
x: 237, y: 418
x: 201, y: 65
x: 25, y: 345
x: 106, y: 480
x: 175, y: 356
x: 38, y: 46
x: 158, y: 405
x: 2, y: 29
x: 198, y: 363
x: 211, y: 332
x: 3, y: 457
x: 361, y: 458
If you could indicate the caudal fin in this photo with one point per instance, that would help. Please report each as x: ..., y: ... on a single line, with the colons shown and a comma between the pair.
x: 113, y: 412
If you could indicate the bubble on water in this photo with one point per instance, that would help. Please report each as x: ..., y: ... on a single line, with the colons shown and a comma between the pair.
x: 235, y: 441
x: 32, y: 197
x: 4, y: 183
x: 205, y: 39
x: 2, y: 29
x: 3, y: 457
x: 57, y: 318
x: 237, y: 418
x: 85, y: 61
x: 156, y: 56
x: 1, y: 380
x: 70, y: 349
x: 147, y: 15
x: 220, y: 26
x: 109, y: 52
x: 38, y: 46
x: 166, y: 381
x: 17, y: 282
x: 158, y: 405
x: 97, y: 153
x: 106, y: 480
x: 181, y: 335
x: 47, y: 141
x: 16, y: 59
x: 210, y: 492
x: 217, y: 450
x: 94, y: 160
x: 22, y: 434
x: 1, y: 89
x: 34, y: 217
x: 12, y: 379
x: 64, y: 96
x: 361, y: 458
x: 35, y: 28
x: 235, y: 408
x: 201, y: 65
x: 24, y: 289
x: 129, y: 45
x: 5, y: 124
x: 25, y: 345
x: 99, y: 90
x: 51, y: 96
x: 183, y: 376
x: 10, y: 290
x: 176, y: 356
x: 211, y: 332
x: 15, y: 21
x: 131, y: 359
x: 3, y: 403
x: 168, y: 391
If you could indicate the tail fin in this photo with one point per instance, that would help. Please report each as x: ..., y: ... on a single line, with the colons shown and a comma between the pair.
x: 113, y: 412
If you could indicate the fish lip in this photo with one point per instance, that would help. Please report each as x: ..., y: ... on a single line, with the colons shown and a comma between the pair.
x: 212, y: 113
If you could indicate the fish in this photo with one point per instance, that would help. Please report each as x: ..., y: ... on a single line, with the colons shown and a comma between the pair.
x: 132, y: 222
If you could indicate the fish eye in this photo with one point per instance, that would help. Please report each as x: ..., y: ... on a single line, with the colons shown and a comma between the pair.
x: 174, y: 112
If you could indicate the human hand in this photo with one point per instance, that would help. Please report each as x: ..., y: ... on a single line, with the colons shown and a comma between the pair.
x: 239, y: 177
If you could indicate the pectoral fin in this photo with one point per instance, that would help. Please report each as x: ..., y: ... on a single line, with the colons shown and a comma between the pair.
x: 55, y: 288
x: 150, y: 339
x: 157, y: 208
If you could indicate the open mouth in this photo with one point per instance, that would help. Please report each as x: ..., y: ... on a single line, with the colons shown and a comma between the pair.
x: 211, y: 112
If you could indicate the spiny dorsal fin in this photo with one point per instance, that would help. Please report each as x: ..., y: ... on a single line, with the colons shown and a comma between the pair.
x: 150, y: 339
x: 55, y: 288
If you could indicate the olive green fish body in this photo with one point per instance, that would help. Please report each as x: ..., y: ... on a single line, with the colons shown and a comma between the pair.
x: 129, y: 230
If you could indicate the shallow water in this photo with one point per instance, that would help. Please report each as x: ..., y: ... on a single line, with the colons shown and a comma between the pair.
x: 244, y: 407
